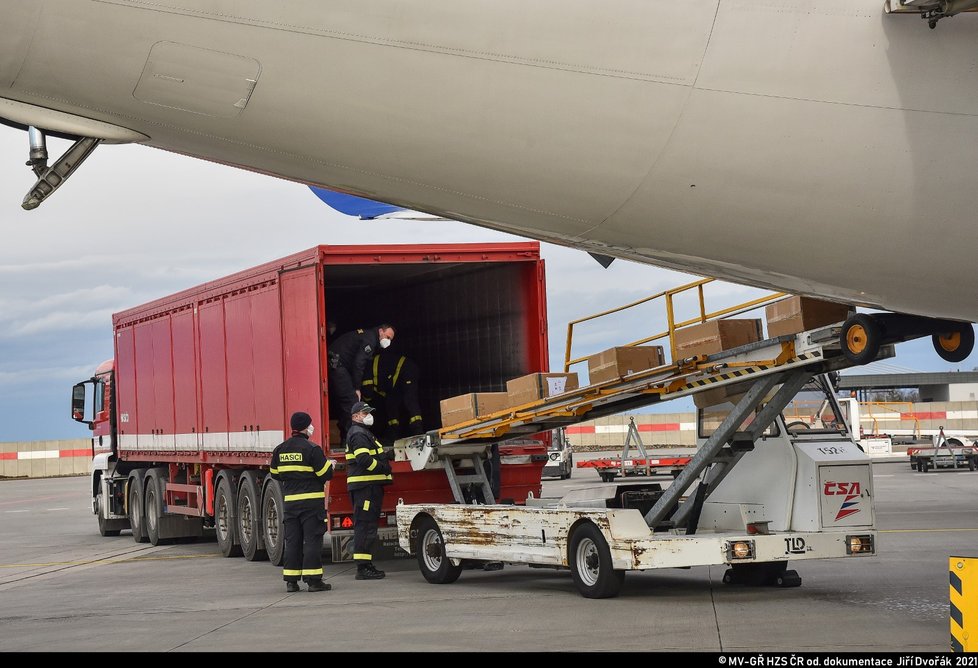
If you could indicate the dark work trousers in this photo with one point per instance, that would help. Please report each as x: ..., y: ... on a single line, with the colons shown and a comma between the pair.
x: 493, y: 469
x: 366, y: 515
x: 344, y: 396
x: 305, y: 524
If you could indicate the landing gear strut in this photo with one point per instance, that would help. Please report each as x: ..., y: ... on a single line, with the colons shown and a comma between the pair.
x: 50, y: 178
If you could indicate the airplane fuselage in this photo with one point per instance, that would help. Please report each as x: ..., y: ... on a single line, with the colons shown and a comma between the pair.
x: 822, y: 148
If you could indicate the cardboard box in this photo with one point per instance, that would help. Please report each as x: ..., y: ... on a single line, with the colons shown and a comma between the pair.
x: 617, y: 362
x: 536, y: 386
x: 467, y: 407
x: 716, y: 336
x: 797, y: 314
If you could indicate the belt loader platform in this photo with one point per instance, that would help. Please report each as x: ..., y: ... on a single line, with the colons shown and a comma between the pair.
x: 791, y: 497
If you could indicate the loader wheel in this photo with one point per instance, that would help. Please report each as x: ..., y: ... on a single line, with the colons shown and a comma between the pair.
x: 955, y: 346
x: 435, y: 566
x: 861, y: 338
x: 762, y: 575
x: 788, y: 579
x: 590, y: 563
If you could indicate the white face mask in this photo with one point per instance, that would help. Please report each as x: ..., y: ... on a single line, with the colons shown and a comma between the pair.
x: 309, y: 430
x: 384, y: 343
x: 368, y: 419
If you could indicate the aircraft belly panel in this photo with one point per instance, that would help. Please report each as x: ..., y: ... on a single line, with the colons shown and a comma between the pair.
x: 751, y: 184
x: 19, y: 19
x: 650, y: 40
x: 843, y: 51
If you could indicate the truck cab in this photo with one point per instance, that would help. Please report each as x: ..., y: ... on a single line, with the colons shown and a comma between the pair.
x: 560, y: 456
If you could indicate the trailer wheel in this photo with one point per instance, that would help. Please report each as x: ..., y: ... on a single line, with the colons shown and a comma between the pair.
x: 861, y: 338
x: 955, y: 346
x: 590, y: 563
x: 154, y: 508
x: 922, y: 465
x: 913, y: 464
x: 249, y: 519
x: 273, y: 532
x: 971, y: 464
x: 224, y: 520
x: 608, y: 477
x: 435, y: 566
x: 135, y: 508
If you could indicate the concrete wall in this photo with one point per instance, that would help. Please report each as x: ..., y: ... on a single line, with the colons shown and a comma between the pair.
x: 954, y: 416
x: 656, y: 430
x: 45, y: 459
x: 679, y: 429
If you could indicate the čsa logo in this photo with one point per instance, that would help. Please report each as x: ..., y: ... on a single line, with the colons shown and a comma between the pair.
x: 850, y: 490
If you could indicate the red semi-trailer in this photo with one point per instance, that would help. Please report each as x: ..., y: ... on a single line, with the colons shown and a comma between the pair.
x: 203, y: 383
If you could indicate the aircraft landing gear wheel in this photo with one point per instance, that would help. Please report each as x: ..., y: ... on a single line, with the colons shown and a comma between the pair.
x: 955, y: 346
x: 861, y: 338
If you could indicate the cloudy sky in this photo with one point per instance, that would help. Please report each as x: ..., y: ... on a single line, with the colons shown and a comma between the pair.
x: 134, y: 224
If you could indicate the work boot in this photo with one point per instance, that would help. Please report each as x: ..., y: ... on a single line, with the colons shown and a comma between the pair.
x: 368, y: 572
x: 319, y: 585
x: 291, y: 587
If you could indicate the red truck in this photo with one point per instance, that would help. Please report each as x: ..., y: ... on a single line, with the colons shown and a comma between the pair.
x: 203, y: 382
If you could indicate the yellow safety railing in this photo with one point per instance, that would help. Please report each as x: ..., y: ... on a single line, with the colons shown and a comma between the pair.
x: 672, y: 324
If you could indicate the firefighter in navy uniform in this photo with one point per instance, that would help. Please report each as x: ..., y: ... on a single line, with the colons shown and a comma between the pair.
x: 302, y: 470
x: 349, y: 355
x: 393, y: 384
x: 368, y: 470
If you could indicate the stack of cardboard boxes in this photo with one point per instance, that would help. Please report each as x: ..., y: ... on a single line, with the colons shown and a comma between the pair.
x: 787, y: 316
x: 609, y: 365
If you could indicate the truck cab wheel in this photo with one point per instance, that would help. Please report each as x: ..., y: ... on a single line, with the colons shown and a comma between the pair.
x: 435, y: 566
x: 106, y: 527
x: 590, y: 562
